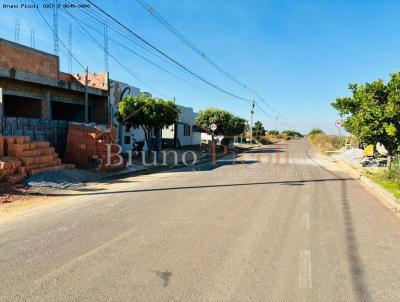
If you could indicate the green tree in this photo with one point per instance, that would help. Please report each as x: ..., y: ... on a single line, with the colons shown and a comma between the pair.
x: 227, y: 124
x: 316, y: 131
x: 236, y: 126
x: 205, y: 118
x: 372, y: 114
x: 258, y: 130
x: 292, y: 133
x: 147, y: 113
x: 273, y: 132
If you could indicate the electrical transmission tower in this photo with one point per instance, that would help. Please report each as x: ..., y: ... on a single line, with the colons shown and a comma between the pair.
x: 70, y: 49
x: 55, y: 27
x: 106, y: 46
x: 33, y: 37
x: 16, y: 33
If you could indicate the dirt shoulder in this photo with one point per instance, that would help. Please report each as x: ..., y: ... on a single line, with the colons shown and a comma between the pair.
x: 16, y: 200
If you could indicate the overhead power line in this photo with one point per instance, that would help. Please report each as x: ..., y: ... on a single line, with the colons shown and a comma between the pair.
x: 166, y: 55
x: 185, y: 40
x: 97, y: 30
x: 111, y: 55
x: 152, y: 11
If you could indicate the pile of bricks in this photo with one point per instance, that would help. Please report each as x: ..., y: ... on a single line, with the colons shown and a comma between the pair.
x: 1, y: 146
x: 23, y: 157
x: 11, y: 170
x: 87, y: 147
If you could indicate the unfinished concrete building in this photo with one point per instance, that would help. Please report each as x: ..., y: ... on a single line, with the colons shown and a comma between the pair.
x: 34, y: 93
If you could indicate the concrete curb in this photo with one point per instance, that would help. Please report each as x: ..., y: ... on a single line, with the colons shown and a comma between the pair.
x: 370, y: 184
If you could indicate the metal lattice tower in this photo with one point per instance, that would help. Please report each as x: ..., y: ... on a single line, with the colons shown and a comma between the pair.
x: 33, y: 37
x: 17, y: 28
x: 105, y: 45
x: 70, y: 49
x: 55, y: 27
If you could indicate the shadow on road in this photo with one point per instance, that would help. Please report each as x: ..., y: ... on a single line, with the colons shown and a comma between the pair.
x: 357, y: 269
x: 284, y: 182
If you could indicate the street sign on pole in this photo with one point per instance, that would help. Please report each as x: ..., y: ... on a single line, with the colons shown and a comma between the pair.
x: 339, y: 123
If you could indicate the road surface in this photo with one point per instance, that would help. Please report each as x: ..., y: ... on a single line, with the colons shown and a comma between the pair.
x: 275, y: 226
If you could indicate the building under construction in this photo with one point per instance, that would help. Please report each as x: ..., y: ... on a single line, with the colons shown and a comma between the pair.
x: 34, y: 93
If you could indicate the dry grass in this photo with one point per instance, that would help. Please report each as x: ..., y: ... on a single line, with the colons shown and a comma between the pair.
x: 273, y: 139
x: 325, y: 142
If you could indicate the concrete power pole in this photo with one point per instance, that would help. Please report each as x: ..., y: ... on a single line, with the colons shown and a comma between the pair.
x: 17, y: 29
x: 70, y: 48
x: 33, y: 37
x: 55, y: 27
x: 86, y: 97
x: 251, y: 121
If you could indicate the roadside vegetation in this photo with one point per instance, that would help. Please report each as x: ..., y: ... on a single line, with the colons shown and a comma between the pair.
x: 265, y: 137
x: 372, y: 115
x: 389, y: 179
x: 323, y: 142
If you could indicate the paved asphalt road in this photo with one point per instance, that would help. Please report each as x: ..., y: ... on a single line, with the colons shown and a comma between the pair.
x: 262, y: 230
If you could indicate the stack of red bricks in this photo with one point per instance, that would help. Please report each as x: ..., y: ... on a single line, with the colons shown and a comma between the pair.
x: 88, y: 145
x: 11, y: 170
x: 1, y: 146
x: 24, y: 157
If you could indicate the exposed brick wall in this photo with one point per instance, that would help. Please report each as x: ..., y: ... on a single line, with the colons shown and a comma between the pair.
x: 96, y: 80
x: 28, y: 60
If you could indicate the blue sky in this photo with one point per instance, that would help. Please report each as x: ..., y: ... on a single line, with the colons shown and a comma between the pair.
x: 300, y: 55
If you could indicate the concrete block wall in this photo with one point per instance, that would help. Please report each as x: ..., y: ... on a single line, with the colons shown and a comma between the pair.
x: 52, y: 131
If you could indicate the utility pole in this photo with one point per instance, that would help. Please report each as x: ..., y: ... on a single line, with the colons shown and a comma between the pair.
x: 70, y: 49
x: 106, y: 46
x: 86, y: 97
x: 17, y: 29
x: 251, y: 120
x: 33, y: 37
x: 55, y: 27
x: 276, y: 123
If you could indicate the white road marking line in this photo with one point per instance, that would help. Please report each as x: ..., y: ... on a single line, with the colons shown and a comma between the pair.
x: 305, y: 221
x: 305, y: 269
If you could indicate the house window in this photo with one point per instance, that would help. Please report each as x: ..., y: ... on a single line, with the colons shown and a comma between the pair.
x: 127, y: 140
x: 186, y: 130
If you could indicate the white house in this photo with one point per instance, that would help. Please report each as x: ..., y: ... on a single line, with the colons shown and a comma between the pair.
x: 118, y: 91
x: 185, y: 132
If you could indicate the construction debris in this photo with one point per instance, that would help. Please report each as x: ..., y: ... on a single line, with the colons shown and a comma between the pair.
x: 23, y: 157
x: 87, y: 146
x: 352, y: 155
